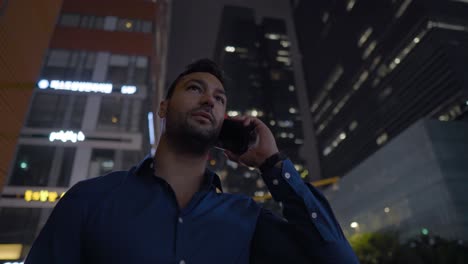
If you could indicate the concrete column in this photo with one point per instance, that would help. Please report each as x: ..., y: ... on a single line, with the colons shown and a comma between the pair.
x: 308, y: 151
x: 80, y: 165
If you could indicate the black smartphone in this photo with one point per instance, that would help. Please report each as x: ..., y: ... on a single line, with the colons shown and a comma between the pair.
x: 236, y: 137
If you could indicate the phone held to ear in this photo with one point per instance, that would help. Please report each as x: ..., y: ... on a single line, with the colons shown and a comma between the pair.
x: 236, y: 137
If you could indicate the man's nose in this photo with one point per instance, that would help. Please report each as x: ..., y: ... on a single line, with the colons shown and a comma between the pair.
x: 208, y: 99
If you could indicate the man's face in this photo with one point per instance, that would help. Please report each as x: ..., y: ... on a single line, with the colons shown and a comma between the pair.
x: 196, y: 109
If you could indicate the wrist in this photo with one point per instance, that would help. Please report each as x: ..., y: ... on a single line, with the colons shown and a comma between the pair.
x: 271, y: 161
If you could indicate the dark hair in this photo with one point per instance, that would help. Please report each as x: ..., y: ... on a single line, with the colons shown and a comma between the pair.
x: 202, y: 65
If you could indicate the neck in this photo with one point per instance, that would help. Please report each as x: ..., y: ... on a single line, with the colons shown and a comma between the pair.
x: 183, y: 171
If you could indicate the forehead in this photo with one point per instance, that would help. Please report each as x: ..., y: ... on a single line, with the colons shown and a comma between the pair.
x: 203, y: 78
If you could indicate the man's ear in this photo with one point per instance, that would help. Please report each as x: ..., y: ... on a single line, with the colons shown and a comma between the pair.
x: 162, y: 109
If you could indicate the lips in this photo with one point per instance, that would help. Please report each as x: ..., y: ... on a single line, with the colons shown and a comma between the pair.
x: 203, y: 114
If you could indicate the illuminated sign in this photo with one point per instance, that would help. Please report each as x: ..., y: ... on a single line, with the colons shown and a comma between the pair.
x: 42, y: 196
x: 128, y: 89
x: 65, y: 136
x: 86, y: 87
x: 151, y: 132
x: 10, y: 251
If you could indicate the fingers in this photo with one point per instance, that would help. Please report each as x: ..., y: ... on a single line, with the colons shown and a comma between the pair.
x: 247, y: 120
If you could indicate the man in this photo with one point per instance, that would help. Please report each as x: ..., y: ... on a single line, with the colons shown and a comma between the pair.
x: 168, y: 210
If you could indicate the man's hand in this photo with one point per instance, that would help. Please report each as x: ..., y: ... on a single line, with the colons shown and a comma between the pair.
x: 264, y: 147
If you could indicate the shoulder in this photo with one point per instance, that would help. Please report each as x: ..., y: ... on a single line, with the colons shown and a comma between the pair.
x: 96, y: 186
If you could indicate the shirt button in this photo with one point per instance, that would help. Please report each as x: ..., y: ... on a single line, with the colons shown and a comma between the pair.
x: 275, y: 182
x: 182, y: 262
x: 314, y: 215
x: 287, y: 175
x: 181, y: 220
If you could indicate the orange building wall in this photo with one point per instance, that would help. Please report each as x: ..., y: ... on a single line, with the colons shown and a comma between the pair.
x: 26, y: 27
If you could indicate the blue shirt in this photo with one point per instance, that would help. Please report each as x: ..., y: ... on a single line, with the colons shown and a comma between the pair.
x: 133, y: 217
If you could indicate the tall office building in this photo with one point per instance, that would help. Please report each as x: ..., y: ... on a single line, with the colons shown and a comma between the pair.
x: 256, y: 59
x: 373, y: 68
x: 90, y: 110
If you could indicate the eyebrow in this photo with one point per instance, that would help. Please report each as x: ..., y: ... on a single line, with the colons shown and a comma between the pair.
x: 205, y: 84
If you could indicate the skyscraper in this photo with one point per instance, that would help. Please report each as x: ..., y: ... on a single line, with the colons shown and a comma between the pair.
x: 90, y: 111
x: 373, y: 68
x: 257, y: 62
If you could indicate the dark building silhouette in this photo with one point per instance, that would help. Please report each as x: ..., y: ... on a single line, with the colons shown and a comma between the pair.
x: 255, y: 55
x: 373, y: 68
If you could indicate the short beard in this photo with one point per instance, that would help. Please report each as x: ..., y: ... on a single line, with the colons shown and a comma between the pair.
x: 187, y: 138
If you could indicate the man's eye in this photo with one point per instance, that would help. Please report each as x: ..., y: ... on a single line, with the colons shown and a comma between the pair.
x: 220, y: 99
x: 194, y: 87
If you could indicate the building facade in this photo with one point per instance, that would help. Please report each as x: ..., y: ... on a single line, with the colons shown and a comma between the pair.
x: 373, y: 68
x: 260, y: 82
x: 91, y: 109
x: 414, y: 185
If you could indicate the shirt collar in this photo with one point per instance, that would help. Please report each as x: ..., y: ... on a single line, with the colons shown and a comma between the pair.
x: 146, y: 167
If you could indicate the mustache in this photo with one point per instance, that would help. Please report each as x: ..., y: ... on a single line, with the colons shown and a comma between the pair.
x: 205, y: 109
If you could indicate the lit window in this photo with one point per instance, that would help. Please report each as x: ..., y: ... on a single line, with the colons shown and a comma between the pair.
x: 284, y: 135
x: 386, y: 92
x: 350, y: 5
x: 285, y: 123
x: 283, y: 52
x: 272, y: 36
x: 362, y: 78
x: 292, y: 110
x: 298, y: 141
x: 298, y: 167
x: 291, y: 88
x: 353, y: 125
x: 272, y: 122
x: 230, y: 49
x: 368, y: 51
x: 69, y: 20
x: 327, y: 151
x: 259, y: 193
x: 285, y: 60
x: 334, y: 77
x: 291, y: 135
x: 364, y: 36
x: 325, y: 17
x: 343, y: 136
x: 375, y: 62
x: 233, y: 113
x: 404, y: 5
x: 444, y: 118
x: 285, y: 43
x: 382, y: 139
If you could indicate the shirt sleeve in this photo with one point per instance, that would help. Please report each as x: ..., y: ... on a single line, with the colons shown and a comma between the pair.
x: 60, y: 239
x: 309, y: 232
